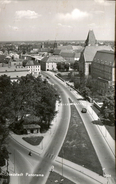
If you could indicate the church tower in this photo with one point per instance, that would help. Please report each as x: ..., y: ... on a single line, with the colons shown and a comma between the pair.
x: 91, y: 40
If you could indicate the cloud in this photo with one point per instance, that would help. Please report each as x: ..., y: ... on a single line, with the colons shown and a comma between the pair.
x: 102, y: 2
x: 76, y: 14
x: 93, y: 26
x: 13, y: 27
x: 5, y: 2
x: 61, y: 25
x: 98, y: 12
x: 28, y: 14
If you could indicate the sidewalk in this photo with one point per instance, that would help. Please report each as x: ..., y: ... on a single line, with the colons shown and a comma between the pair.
x: 41, y: 148
x: 47, y: 137
x: 102, y: 129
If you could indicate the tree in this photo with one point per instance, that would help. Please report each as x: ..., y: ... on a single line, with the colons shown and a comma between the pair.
x: 3, y: 141
x: 59, y: 66
x: 29, y: 95
x: 108, y: 110
x: 67, y: 66
x: 77, y: 83
x: 76, y: 65
x: 85, y: 92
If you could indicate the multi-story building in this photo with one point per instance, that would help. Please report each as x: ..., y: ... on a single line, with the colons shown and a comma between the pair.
x: 33, y: 66
x: 13, y: 72
x: 68, y: 55
x: 50, y: 63
x: 103, y: 69
x: 87, y: 55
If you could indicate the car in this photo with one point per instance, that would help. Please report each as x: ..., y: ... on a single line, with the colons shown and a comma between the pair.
x: 84, y: 110
x: 48, y: 77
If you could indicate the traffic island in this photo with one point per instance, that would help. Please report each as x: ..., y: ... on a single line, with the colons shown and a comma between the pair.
x: 77, y: 146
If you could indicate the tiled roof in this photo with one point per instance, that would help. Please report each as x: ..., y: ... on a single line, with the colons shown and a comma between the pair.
x: 31, y: 126
x: 45, y: 59
x: 68, y: 47
x: 56, y: 51
x: 55, y: 59
x: 90, y: 51
x: 12, y: 69
x: 13, y: 72
x: 77, y: 55
x: 77, y: 48
x: 91, y: 40
x: 67, y: 53
x: 104, y: 57
x: 31, y: 62
x: 2, y: 57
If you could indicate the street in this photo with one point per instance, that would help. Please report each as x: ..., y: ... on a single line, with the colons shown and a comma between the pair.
x: 42, y: 164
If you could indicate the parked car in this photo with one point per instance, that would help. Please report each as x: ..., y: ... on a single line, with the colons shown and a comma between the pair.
x: 84, y: 110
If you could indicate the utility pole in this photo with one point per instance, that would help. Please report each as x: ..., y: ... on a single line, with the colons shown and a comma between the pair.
x: 14, y: 161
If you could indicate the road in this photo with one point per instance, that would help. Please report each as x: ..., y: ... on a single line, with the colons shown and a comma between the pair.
x: 44, y: 163
x: 105, y: 155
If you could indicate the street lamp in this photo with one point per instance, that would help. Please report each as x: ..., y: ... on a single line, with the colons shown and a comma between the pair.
x: 62, y: 179
x: 107, y: 176
x: 14, y: 161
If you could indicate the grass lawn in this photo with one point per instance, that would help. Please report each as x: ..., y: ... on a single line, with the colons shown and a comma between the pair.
x: 33, y: 140
x: 58, y: 179
x: 64, y: 75
x: 77, y: 146
x: 111, y: 129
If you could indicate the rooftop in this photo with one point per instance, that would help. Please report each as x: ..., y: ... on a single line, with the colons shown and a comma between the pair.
x: 91, y: 40
x: 104, y: 57
x: 67, y: 53
x: 90, y: 51
x: 31, y: 126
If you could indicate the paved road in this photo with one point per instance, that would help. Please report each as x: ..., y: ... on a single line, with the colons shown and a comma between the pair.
x: 57, y: 141
x: 44, y: 162
x: 105, y: 155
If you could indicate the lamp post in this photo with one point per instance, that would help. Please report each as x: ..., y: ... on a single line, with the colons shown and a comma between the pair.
x: 62, y: 179
x: 106, y: 175
x: 14, y: 161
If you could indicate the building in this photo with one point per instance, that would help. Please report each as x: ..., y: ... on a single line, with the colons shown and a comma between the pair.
x: 50, y: 63
x: 68, y: 55
x: 14, y: 55
x: 17, y: 63
x: 91, y: 40
x: 25, y: 47
x: 13, y: 72
x: 89, y: 52
x: 33, y: 66
x: 103, y: 69
x: 31, y: 128
x: 2, y: 58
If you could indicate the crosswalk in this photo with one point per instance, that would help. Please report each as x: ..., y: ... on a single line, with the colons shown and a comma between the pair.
x: 68, y: 104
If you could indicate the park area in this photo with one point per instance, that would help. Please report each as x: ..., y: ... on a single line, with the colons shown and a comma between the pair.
x: 77, y: 146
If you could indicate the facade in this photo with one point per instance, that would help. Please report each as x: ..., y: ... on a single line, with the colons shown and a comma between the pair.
x: 31, y: 128
x: 34, y: 67
x: 88, y: 54
x: 103, y: 70
x: 68, y: 55
x: 13, y: 72
x: 91, y: 40
x: 50, y: 63
x: 16, y: 62
x: 14, y: 55
x: 25, y: 47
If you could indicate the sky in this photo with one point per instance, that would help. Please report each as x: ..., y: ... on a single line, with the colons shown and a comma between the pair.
x: 36, y: 20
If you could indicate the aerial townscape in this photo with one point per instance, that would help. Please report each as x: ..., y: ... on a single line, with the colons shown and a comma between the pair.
x: 57, y: 93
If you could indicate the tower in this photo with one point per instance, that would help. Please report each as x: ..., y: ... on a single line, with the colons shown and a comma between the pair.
x: 91, y: 40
